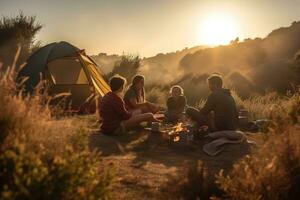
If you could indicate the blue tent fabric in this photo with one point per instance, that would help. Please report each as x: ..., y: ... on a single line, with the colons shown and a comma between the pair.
x: 62, y: 49
x: 37, y: 62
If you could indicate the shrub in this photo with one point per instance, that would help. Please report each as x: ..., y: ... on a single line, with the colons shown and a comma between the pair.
x: 27, y: 174
x: 127, y: 67
x: 273, y: 172
x: 157, y: 95
x: 42, y: 157
x: 18, y: 31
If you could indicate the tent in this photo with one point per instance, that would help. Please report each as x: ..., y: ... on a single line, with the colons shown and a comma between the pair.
x: 65, y: 69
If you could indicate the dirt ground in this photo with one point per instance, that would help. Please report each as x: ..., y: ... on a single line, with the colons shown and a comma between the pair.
x: 143, y: 161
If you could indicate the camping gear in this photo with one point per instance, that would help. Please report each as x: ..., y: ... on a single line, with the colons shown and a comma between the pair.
x: 260, y: 125
x: 65, y: 69
x: 243, y: 118
x: 156, y: 126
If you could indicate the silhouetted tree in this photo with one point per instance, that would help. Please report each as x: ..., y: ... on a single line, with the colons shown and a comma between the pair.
x: 128, y: 66
x: 17, y: 31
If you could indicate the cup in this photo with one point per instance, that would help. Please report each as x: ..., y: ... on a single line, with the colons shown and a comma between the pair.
x: 155, y: 126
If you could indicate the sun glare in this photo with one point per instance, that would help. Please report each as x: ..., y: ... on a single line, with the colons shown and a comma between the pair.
x: 217, y: 30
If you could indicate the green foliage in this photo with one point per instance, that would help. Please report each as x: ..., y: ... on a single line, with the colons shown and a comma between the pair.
x: 27, y: 174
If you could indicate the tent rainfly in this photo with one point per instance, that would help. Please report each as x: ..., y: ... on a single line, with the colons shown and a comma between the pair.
x: 65, y: 69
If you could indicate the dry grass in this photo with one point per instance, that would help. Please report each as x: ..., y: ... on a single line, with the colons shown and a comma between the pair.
x: 27, y: 115
x: 273, y: 172
x: 42, y: 157
x: 270, y: 106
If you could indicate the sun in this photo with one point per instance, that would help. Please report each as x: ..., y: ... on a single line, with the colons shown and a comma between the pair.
x: 217, y: 30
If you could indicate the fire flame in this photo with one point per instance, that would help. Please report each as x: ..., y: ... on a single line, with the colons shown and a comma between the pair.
x: 178, y: 127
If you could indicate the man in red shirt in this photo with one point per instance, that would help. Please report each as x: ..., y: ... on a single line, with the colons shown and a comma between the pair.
x: 115, y: 117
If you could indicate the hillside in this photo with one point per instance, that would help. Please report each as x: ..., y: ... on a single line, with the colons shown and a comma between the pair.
x: 262, y: 63
x: 165, y: 61
x: 165, y: 64
x: 251, y: 66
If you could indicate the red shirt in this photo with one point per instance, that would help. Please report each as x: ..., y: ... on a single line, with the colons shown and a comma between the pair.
x: 112, y: 112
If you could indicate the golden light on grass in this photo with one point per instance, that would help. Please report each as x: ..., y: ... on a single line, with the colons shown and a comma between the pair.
x: 217, y: 29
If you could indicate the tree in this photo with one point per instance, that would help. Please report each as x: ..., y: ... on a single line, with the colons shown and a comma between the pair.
x: 15, y: 32
x: 128, y: 66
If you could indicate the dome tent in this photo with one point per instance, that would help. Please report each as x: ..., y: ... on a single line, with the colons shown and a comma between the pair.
x: 65, y: 68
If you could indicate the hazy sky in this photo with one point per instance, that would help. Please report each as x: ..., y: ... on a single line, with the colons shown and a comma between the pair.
x: 148, y: 27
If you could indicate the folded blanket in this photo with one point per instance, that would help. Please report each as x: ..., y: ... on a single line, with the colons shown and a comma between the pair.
x: 220, y: 139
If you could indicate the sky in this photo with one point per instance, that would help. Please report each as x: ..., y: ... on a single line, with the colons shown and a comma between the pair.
x: 149, y: 27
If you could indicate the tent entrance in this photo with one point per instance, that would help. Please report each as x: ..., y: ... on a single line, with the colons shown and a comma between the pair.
x: 67, y: 71
x: 67, y: 75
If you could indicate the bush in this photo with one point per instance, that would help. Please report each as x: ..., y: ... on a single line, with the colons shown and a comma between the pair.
x: 157, y: 95
x: 42, y: 157
x: 273, y: 170
x: 127, y: 67
x: 18, y: 31
x: 27, y: 174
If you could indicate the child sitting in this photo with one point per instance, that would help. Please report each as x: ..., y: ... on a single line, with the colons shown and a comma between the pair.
x: 176, y: 104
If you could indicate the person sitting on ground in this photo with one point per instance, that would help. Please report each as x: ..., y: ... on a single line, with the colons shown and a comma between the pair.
x: 176, y: 104
x: 115, y: 117
x: 135, y: 97
x: 223, y: 105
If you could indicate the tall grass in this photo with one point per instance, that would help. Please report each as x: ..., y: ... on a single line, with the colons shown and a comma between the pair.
x: 273, y: 172
x: 42, y: 157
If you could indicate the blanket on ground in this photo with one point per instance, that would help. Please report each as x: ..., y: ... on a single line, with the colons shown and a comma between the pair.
x: 219, y: 140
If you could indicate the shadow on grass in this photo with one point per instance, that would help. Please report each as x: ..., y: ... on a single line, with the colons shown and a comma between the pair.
x: 152, y: 147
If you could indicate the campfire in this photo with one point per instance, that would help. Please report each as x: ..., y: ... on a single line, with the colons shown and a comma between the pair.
x: 178, y: 127
x: 174, y: 133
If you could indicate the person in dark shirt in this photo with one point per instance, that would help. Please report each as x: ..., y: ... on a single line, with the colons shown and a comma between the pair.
x: 176, y: 104
x: 135, y: 97
x: 221, y: 103
x: 115, y: 117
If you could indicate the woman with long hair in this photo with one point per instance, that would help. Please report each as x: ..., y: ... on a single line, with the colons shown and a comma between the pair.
x: 135, y: 97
